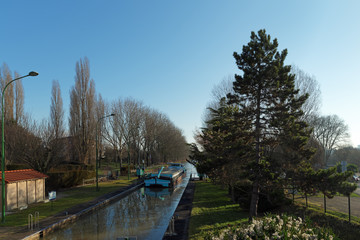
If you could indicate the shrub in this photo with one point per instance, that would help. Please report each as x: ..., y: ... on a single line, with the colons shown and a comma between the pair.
x: 273, y: 227
x: 67, y: 179
x: 268, y: 200
x: 16, y: 167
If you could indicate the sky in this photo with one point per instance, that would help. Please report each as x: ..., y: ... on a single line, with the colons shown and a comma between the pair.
x: 170, y: 54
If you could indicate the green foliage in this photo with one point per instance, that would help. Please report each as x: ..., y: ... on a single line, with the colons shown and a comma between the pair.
x: 329, y: 182
x: 269, y: 199
x: 352, y: 167
x: 257, y: 132
x: 304, y: 179
x: 268, y: 102
x: 349, y: 167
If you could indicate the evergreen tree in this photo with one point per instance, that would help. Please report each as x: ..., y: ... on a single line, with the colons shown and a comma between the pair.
x: 268, y: 100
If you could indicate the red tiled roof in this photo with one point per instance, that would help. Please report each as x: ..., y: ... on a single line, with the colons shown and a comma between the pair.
x: 21, y: 175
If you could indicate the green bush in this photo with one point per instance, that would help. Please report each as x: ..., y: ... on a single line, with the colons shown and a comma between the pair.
x: 124, y: 169
x: 268, y: 199
x: 67, y: 179
x: 352, y: 167
x: 16, y: 167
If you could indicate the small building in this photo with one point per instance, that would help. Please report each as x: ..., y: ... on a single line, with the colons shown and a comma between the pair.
x: 23, y: 187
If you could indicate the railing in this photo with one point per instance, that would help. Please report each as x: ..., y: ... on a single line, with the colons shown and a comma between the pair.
x: 93, y: 180
x: 33, y: 221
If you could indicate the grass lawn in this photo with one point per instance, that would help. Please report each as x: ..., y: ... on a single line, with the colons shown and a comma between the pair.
x: 70, y: 198
x: 212, y: 209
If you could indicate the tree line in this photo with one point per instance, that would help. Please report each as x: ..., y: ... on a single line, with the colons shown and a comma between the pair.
x: 138, y: 130
x: 263, y: 132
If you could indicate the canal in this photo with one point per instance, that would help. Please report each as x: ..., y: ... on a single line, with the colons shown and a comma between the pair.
x: 144, y: 214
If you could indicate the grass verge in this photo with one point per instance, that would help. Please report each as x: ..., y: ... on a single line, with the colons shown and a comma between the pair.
x: 71, y: 197
x: 212, y: 209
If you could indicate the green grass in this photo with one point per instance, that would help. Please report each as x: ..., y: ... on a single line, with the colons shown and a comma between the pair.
x: 71, y: 198
x: 212, y: 209
x: 336, y: 221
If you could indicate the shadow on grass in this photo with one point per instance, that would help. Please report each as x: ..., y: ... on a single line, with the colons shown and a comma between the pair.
x: 213, y: 209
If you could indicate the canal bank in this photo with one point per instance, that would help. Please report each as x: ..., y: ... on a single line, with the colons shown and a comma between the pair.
x: 180, y: 228
x: 142, y: 212
x: 60, y: 220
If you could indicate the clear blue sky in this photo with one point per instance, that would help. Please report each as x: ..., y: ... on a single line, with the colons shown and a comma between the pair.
x: 170, y: 54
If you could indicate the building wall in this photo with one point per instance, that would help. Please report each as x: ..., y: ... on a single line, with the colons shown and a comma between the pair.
x: 40, y: 190
x: 11, y: 196
x: 31, y: 191
x: 22, y: 193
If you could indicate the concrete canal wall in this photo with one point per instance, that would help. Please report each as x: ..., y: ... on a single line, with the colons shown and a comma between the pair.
x: 178, y: 228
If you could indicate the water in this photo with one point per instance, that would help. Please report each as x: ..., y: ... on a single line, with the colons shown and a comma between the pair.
x: 145, y: 214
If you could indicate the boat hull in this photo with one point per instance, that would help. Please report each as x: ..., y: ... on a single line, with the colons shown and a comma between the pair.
x: 166, y: 179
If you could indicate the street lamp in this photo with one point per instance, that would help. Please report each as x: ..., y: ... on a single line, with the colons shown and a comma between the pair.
x: 31, y: 74
x: 97, y: 158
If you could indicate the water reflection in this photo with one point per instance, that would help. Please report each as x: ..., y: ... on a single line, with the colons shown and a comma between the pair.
x: 144, y: 213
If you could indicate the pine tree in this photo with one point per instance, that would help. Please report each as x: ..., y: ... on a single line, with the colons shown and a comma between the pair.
x: 267, y: 99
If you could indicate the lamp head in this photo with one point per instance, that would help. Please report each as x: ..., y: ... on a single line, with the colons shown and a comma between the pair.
x: 33, y: 74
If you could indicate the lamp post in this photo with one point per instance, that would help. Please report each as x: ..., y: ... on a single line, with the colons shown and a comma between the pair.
x: 97, y: 158
x: 31, y: 74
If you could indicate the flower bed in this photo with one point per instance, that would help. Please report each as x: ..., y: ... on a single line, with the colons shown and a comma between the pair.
x: 273, y: 227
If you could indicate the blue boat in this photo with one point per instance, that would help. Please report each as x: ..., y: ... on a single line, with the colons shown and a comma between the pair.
x: 166, y: 177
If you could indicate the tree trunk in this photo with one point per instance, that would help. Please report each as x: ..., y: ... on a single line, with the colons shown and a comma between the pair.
x: 349, y: 208
x: 254, y: 200
x: 256, y: 189
x: 324, y: 203
x: 232, y: 193
x: 306, y: 198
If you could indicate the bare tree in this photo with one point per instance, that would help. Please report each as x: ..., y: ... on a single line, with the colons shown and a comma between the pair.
x: 307, y: 84
x: 82, y: 112
x: 56, y: 112
x: 116, y: 136
x: 100, y: 113
x: 19, y: 100
x: 9, y: 93
x: 141, y: 131
x: 331, y: 132
x: 218, y: 92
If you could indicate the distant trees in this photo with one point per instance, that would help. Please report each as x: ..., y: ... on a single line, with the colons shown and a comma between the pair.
x: 331, y: 132
x: 307, y: 84
x: 349, y: 154
x: 140, y: 133
x: 144, y: 133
